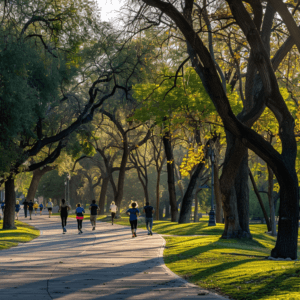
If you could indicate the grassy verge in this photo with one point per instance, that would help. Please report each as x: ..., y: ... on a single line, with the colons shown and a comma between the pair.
x: 237, y: 268
x: 10, y: 238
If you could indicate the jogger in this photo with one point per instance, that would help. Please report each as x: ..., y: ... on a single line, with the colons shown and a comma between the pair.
x: 64, y: 214
x: 41, y: 206
x: 50, y: 206
x: 35, y: 206
x: 30, y: 208
x: 133, y: 213
x: 79, y: 216
x: 113, y: 209
x: 25, y: 203
x: 93, y: 216
x: 17, y: 209
x: 149, y: 210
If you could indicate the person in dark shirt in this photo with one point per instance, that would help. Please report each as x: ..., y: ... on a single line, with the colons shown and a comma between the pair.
x: 149, y: 210
x: 30, y: 208
x: 64, y: 214
x: 93, y: 213
x: 41, y: 206
x: 25, y: 203
x: 133, y: 213
x: 17, y: 209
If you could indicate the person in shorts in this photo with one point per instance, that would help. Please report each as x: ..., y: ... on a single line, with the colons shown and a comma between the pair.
x: 133, y: 213
x: 113, y: 209
x: 79, y: 216
x: 149, y: 210
x: 30, y: 208
x: 93, y: 213
x: 35, y: 206
x: 50, y: 206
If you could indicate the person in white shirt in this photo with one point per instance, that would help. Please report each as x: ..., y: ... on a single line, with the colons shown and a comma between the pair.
x: 113, y: 209
x: 50, y: 206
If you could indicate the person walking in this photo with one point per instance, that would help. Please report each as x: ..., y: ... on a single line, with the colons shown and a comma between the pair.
x: 17, y: 209
x: 149, y: 211
x: 93, y: 213
x: 113, y: 209
x: 50, y: 206
x: 3, y: 208
x: 25, y: 206
x: 63, y: 209
x: 35, y: 206
x: 41, y: 206
x: 79, y: 216
x: 30, y: 208
x: 133, y: 213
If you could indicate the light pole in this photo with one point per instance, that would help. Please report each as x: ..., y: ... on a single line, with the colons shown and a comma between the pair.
x: 212, y: 221
x: 68, y: 178
x: 66, y: 190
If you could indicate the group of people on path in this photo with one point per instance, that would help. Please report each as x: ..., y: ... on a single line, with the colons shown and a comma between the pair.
x: 133, y: 213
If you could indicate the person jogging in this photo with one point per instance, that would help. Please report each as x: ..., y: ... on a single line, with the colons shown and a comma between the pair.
x: 30, y: 208
x: 17, y: 209
x: 113, y: 209
x: 133, y: 213
x: 41, y: 206
x: 149, y: 210
x: 3, y: 208
x: 63, y: 209
x: 79, y: 216
x: 93, y: 213
x: 25, y: 205
x: 35, y: 206
x: 50, y: 206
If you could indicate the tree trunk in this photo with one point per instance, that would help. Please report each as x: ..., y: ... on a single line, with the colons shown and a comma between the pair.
x: 271, y: 201
x: 171, y: 181
x: 119, y: 195
x: 157, y: 195
x: 37, y: 175
x: 260, y: 201
x: 187, y: 200
x: 242, y: 196
x: 10, y: 202
x: 104, y: 186
x: 167, y: 215
x: 196, y: 208
x: 218, y: 196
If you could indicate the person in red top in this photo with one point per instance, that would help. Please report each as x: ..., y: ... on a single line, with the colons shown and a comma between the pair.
x: 79, y: 216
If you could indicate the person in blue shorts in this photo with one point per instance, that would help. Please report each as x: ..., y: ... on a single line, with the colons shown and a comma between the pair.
x: 79, y: 216
x: 17, y: 209
x: 133, y: 213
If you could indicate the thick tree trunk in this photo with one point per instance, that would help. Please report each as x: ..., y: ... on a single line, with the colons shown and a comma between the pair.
x: 271, y: 201
x: 167, y: 215
x: 157, y: 195
x: 260, y: 201
x: 196, y: 208
x: 120, y: 190
x: 10, y: 202
x: 242, y: 196
x: 104, y: 186
x: 218, y: 196
x: 187, y: 200
x: 37, y: 175
x: 171, y: 181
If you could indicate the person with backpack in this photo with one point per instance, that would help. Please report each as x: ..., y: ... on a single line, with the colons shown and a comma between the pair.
x: 133, y: 213
x: 41, y: 206
x: 63, y: 209
x: 17, y: 209
x: 113, y: 209
x: 25, y: 205
x: 30, y: 208
x: 79, y: 216
x: 149, y: 210
x: 93, y: 213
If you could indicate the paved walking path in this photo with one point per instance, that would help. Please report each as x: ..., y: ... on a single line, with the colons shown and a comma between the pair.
x: 102, y: 264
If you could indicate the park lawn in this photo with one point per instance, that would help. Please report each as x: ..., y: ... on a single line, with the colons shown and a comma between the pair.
x: 11, y: 238
x: 237, y: 267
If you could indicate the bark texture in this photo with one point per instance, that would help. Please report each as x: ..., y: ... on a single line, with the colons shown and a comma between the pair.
x: 102, y: 197
x: 10, y: 202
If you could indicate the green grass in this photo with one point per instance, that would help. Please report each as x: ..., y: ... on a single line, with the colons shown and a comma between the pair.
x: 11, y: 238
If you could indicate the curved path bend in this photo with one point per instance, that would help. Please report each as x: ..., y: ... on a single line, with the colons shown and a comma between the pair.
x: 102, y: 264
